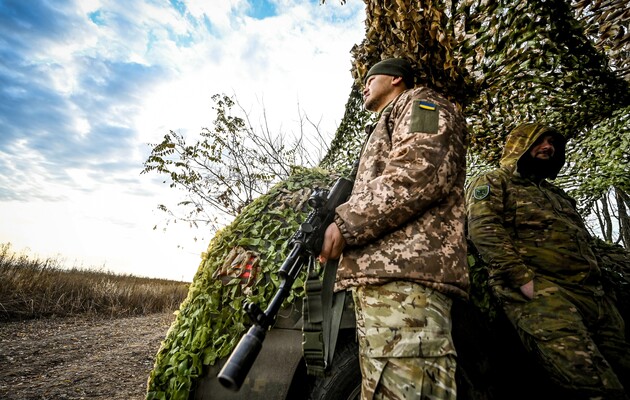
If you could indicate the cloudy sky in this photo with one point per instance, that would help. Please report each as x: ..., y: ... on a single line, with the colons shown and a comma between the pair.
x: 85, y: 85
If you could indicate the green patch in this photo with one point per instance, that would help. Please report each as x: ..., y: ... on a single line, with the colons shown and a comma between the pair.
x: 425, y: 117
x: 481, y: 192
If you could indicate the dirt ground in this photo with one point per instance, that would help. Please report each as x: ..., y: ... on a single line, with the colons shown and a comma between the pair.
x: 71, y: 358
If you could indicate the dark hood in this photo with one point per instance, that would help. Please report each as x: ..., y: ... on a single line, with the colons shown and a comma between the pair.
x: 521, y: 139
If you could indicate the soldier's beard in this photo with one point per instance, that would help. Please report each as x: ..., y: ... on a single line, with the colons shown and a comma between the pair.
x: 372, y: 103
x: 539, y: 169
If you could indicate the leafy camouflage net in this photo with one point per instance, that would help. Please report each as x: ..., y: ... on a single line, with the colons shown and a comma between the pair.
x: 211, y: 320
x: 558, y: 62
x: 563, y: 63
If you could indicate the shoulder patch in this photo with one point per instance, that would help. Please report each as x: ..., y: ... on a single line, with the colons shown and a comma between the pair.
x: 481, y: 192
x: 425, y: 117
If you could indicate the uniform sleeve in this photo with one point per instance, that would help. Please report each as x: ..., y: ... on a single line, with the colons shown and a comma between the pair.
x: 487, y: 230
x: 421, y: 169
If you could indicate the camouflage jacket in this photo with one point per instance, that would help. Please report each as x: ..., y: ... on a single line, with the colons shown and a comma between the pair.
x: 405, y: 218
x: 524, y: 228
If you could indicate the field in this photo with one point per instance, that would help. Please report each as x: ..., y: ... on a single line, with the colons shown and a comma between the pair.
x: 79, y: 334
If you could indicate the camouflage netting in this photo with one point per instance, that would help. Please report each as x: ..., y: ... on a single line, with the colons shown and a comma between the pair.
x: 564, y: 63
x: 532, y: 61
x: 211, y: 321
x: 503, y: 62
x: 419, y: 31
x: 599, y: 159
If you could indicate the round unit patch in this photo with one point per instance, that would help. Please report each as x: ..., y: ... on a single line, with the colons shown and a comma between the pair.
x: 481, y: 192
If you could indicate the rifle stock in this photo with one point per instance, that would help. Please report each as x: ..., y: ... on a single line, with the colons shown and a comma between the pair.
x: 306, y: 243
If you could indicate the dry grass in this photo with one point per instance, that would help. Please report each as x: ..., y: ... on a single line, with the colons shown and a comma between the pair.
x: 35, y: 288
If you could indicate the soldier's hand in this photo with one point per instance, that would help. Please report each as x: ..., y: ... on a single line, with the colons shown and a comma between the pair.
x: 333, y: 244
x: 528, y: 289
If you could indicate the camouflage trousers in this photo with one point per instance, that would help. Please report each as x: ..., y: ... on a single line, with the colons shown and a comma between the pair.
x: 405, y: 346
x: 578, y: 338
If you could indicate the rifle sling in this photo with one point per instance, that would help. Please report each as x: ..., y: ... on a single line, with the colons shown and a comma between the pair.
x: 322, y: 312
x: 322, y: 308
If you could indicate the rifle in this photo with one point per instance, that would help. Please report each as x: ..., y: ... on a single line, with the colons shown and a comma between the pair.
x: 306, y: 244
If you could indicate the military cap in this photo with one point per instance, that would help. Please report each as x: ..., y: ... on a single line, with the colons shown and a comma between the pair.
x: 393, y: 67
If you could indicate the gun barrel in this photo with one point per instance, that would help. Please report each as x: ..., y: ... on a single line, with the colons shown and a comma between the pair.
x: 242, y: 358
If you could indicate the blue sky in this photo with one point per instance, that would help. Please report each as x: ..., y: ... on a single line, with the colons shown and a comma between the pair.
x: 86, y: 84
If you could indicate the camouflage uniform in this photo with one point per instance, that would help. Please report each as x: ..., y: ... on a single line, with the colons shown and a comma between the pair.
x: 404, y: 332
x: 527, y: 228
x: 404, y: 224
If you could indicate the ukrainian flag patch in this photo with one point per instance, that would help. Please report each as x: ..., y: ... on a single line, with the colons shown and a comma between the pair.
x: 425, y: 117
x: 425, y: 105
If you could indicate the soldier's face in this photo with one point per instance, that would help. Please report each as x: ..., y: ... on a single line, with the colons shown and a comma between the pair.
x: 543, y: 148
x: 377, y: 91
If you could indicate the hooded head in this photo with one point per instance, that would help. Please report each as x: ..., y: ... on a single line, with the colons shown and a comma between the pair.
x: 516, y: 153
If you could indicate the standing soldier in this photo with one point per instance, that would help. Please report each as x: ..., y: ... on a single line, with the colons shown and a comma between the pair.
x: 402, y: 238
x: 543, y: 269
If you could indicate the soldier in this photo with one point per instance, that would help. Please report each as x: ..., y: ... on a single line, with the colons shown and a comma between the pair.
x: 543, y: 269
x: 402, y: 238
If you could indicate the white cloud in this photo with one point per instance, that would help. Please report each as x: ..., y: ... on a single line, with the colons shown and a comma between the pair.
x: 27, y: 176
x: 69, y: 167
x: 297, y: 59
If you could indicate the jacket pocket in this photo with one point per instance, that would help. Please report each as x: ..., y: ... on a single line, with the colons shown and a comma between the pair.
x: 407, y: 342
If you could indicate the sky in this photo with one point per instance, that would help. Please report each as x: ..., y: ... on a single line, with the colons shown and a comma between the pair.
x: 87, y: 85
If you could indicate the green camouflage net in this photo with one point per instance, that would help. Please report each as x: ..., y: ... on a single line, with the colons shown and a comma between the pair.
x: 507, y: 62
x: 211, y: 320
